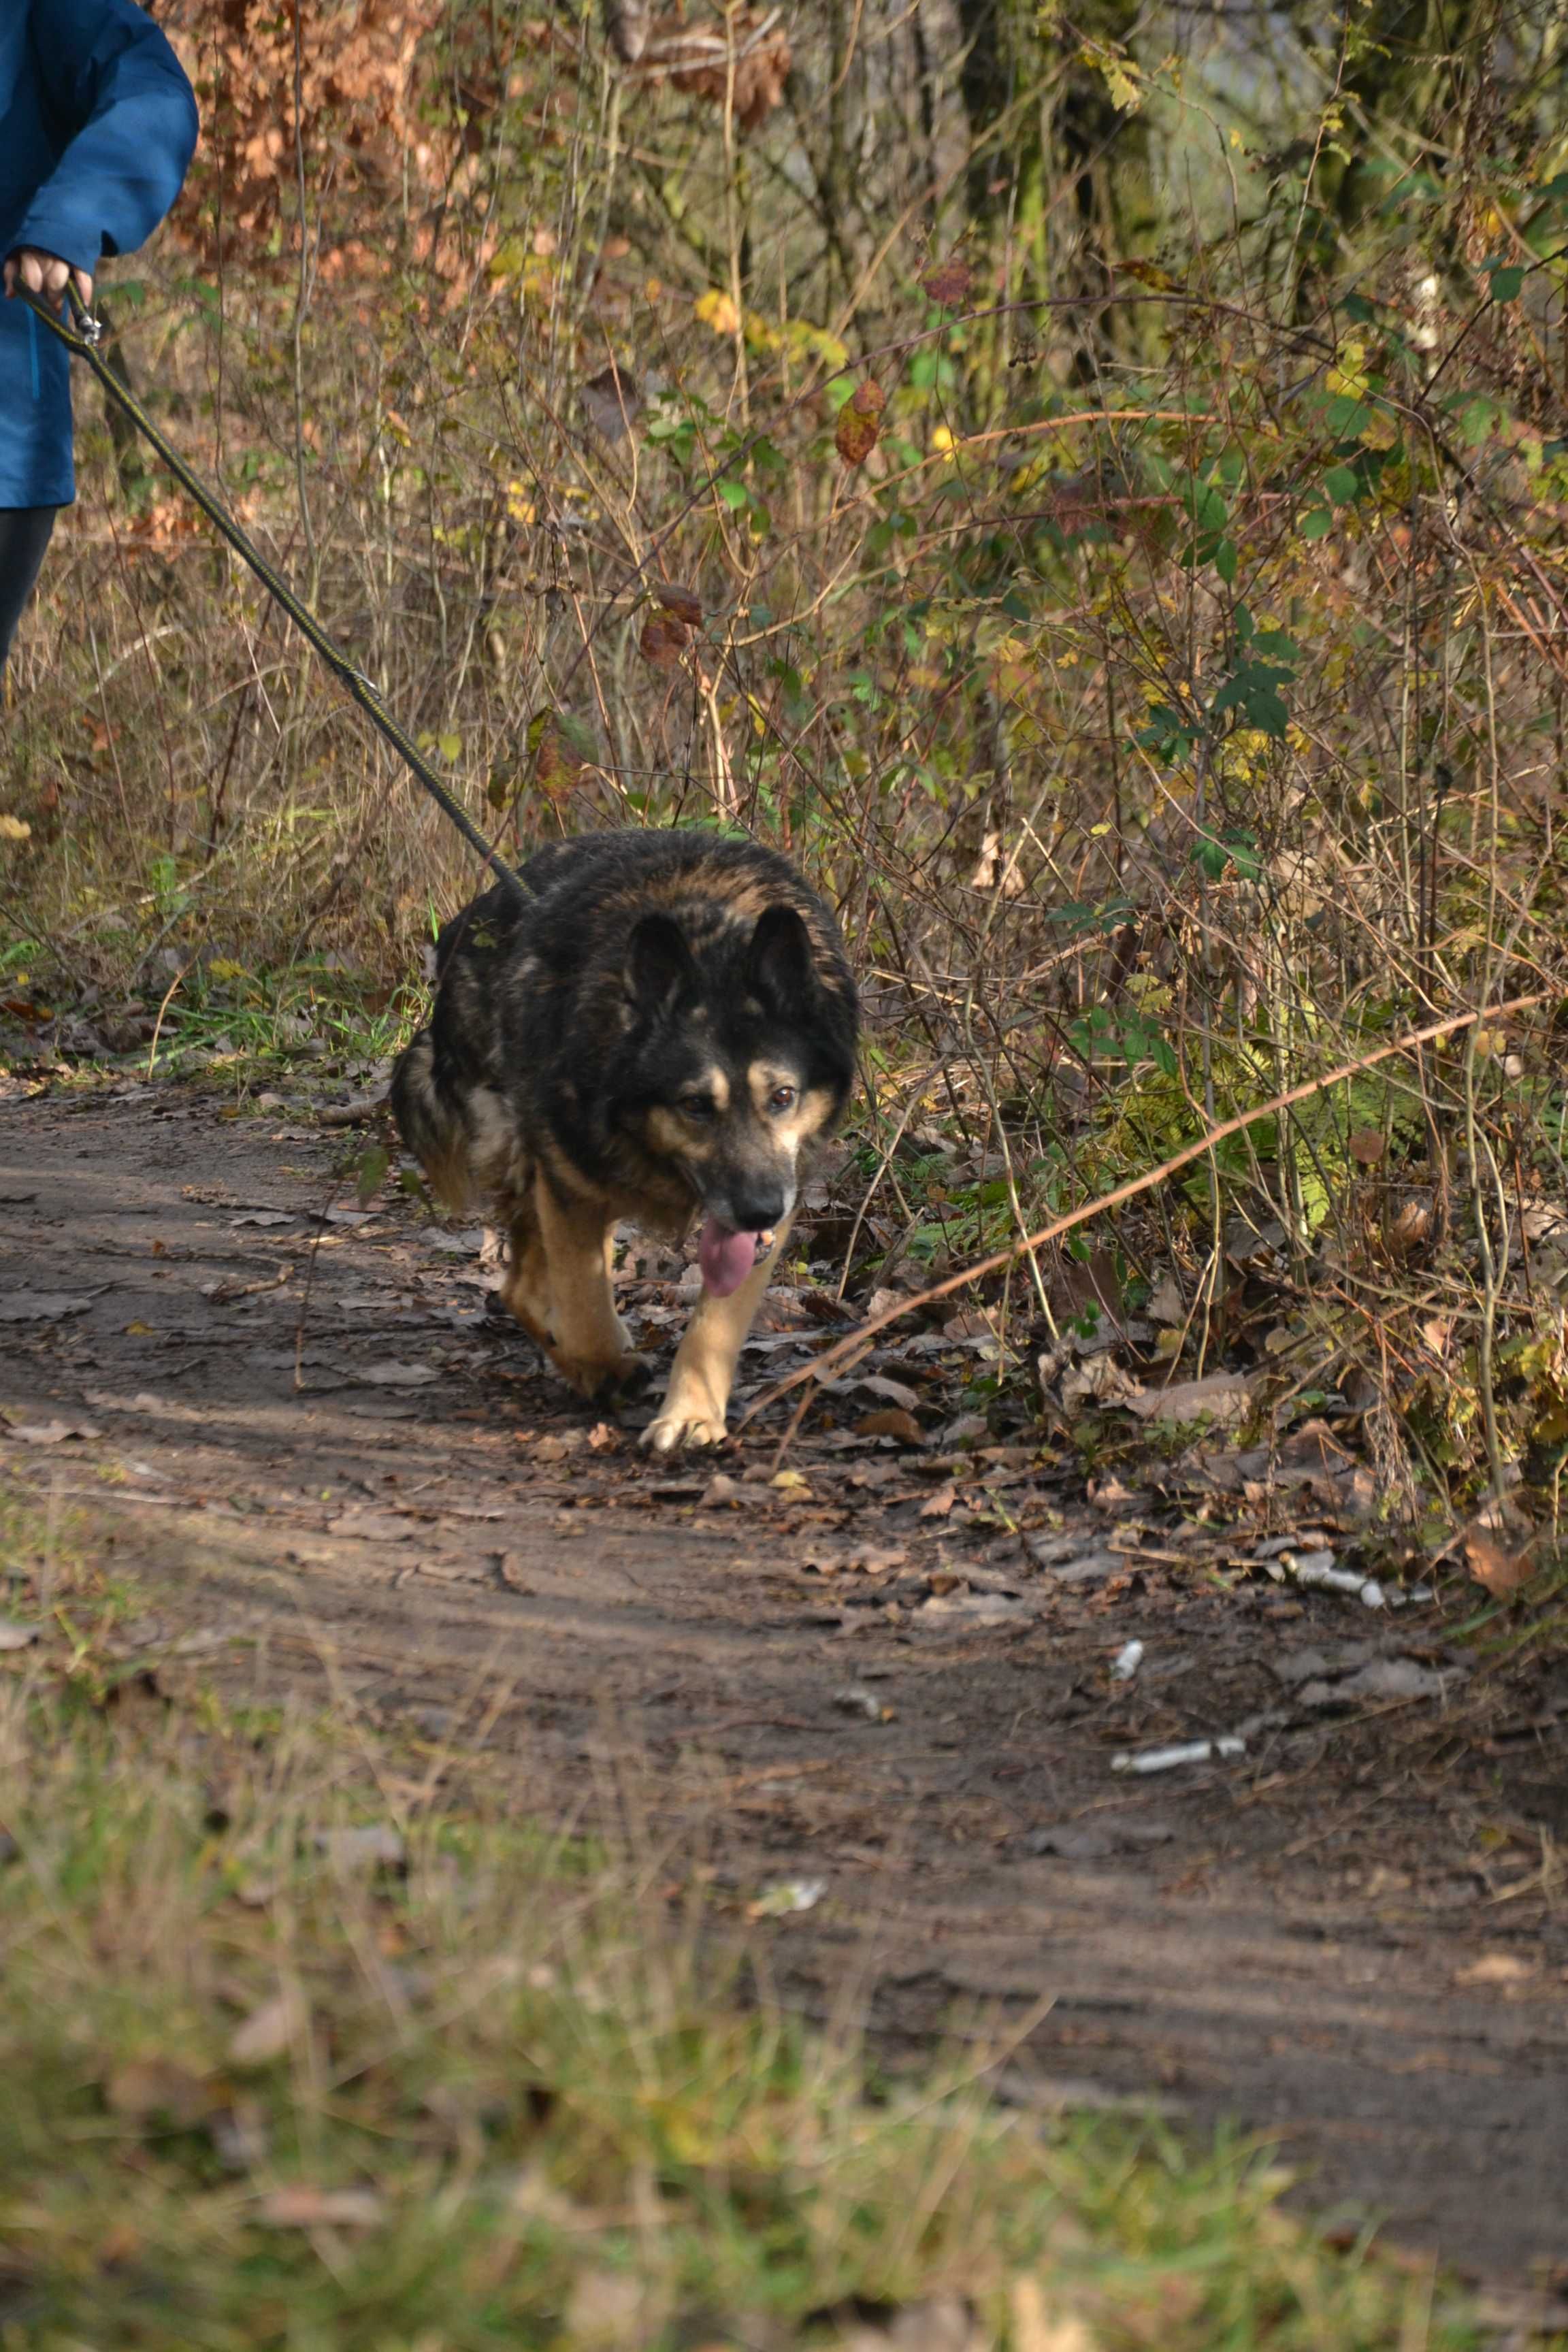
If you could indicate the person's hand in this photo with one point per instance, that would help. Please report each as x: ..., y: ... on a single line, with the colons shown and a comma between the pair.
x: 46, y: 274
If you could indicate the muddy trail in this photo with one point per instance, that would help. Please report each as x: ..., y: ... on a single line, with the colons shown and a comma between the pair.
x: 883, y: 1688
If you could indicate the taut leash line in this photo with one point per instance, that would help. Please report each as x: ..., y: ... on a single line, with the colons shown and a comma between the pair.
x: 84, y: 339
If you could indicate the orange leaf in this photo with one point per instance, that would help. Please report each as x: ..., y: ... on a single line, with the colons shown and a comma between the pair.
x: 1501, y: 1571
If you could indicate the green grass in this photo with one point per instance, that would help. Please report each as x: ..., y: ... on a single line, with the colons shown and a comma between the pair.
x: 511, y: 2091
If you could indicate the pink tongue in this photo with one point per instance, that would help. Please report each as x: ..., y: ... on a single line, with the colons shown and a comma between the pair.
x: 726, y: 1258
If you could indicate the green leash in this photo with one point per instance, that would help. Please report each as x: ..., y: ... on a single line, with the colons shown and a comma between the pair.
x: 83, y: 339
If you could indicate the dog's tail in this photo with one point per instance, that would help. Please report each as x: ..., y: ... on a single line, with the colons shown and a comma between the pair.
x: 429, y: 1123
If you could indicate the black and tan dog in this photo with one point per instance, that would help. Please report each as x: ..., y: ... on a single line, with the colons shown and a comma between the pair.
x: 657, y: 1032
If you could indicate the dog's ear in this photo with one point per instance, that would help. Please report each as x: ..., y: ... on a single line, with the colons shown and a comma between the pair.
x: 659, y: 968
x: 780, y: 962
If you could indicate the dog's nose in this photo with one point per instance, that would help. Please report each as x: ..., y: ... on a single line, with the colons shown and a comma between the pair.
x: 757, y: 1208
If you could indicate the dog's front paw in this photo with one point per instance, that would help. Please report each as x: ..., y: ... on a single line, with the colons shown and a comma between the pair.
x: 605, y: 1380
x: 676, y: 1427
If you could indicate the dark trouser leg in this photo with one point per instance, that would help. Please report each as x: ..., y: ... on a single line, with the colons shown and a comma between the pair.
x: 23, y: 535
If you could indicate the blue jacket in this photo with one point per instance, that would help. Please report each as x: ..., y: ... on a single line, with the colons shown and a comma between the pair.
x: 97, y: 127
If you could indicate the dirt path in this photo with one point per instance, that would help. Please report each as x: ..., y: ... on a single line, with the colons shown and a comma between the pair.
x: 1340, y: 1936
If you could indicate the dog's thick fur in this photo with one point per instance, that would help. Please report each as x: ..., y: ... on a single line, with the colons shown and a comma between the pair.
x: 658, y: 1033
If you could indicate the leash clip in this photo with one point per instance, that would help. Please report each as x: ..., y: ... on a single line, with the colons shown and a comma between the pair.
x: 89, y: 325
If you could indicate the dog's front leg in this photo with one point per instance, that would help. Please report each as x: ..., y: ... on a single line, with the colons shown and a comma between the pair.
x: 587, y: 1342
x: 704, y: 1370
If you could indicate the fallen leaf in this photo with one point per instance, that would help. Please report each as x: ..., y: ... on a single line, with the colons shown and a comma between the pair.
x: 1496, y: 1969
x: 48, y: 1433
x: 891, y: 1421
x: 878, y: 1384
x: 939, y: 1504
x: 372, y: 1844
x: 264, y: 1217
x: 17, y: 1637
x: 792, y: 1483
x: 44, y: 1305
x: 1367, y: 1145
x: 315, y: 2209
x: 269, y: 2032
x: 160, y: 2091
x: 1040, y: 2326
x: 139, y: 1330
x: 606, y: 2310
x: 1165, y: 1303
x: 1498, y: 1570
x: 786, y: 1897
x: 991, y: 1608
x: 1222, y: 1397
x: 860, y: 423
x: 373, y: 1527
x: 397, y: 1376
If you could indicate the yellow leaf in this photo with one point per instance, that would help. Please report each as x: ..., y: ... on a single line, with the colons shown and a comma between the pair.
x: 717, y: 310
x: 12, y: 828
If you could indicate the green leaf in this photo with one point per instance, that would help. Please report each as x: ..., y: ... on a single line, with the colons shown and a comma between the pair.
x: 1317, y: 523
x: 1341, y: 484
x: 1506, y: 283
x: 450, y: 747
x: 735, y: 495
x: 1224, y: 561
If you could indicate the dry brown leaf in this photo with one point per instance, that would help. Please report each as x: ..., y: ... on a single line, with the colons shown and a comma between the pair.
x: 947, y: 282
x: 1367, y: 1146
x: 160, y: 2091
x: 860, y: 423
x: 663, y: 641
x: 747, y: 65
x: 1040, y: 2326
x: 684, y: 603
x: 300, y: 2207
x: 1496, y: 1969
x: 891, y: 1421
x: 269, y: 2032
x: 1222, y: 1397
x: 941, y: 1503
x: 1498, y: 1570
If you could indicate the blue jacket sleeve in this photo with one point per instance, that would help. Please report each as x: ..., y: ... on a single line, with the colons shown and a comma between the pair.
x: 129, y: 118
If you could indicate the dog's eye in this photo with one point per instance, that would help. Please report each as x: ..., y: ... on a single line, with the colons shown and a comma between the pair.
x: 699, y: 1108
x: 782, y: 1099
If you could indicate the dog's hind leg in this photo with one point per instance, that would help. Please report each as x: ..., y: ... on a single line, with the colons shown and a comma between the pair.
x: 588, y: 1343
x: 704, y: 1371
x: 428, y: 1124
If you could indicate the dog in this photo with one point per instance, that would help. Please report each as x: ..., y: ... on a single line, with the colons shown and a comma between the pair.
x: 658, y: 1031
